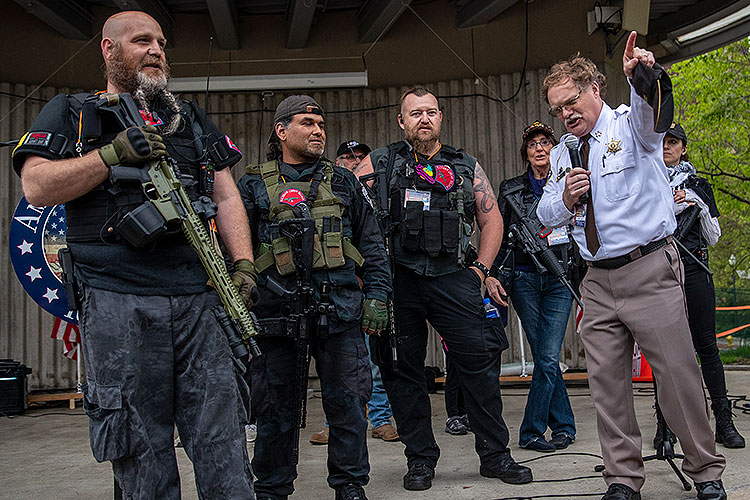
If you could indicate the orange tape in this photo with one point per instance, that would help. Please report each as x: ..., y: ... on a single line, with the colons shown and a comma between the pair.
x: 733, y: 330
x: 732, y: 308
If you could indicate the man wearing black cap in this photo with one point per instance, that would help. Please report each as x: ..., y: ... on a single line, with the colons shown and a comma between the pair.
x: 433, y: 195
x: 633, y: 290
x: 350, y: 154
x: 305, y: 212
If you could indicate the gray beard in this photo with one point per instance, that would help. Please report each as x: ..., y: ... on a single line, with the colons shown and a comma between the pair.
x: 152, y: 92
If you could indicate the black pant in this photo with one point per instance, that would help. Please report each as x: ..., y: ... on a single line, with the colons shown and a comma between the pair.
x: 701, y: 305
x: 344, y: 369
x: 454, y: 396
x: 453, y: 306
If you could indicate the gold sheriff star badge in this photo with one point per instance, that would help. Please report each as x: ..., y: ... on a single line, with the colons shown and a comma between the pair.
x: 613, y: 146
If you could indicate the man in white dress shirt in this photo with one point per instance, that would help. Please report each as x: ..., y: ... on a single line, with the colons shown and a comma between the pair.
x: 634, y: 286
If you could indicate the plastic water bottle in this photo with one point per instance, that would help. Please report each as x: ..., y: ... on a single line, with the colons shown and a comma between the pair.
x: 490, y: 311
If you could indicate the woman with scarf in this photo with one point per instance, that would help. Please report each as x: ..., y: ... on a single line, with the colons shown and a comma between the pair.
x: 693, y: 191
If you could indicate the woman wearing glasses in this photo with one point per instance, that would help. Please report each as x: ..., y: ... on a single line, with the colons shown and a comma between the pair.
x: 541, y: 301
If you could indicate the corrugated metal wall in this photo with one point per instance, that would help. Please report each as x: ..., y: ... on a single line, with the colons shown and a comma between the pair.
x: 482, y: 125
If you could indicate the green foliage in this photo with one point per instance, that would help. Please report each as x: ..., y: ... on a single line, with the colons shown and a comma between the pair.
x: 740, y: 356
x: 712, y: 102
x: 727, y: 320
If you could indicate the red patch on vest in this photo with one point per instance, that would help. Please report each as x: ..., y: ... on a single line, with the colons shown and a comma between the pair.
x: 445, y: 176
x: 150, y: 119
x: 292, y: 196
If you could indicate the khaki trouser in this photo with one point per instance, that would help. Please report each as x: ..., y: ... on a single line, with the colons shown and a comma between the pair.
x: 644, y: 300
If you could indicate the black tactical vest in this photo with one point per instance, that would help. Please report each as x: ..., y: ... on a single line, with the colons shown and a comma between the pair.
x: 432, y: 208
x: 94, y: 216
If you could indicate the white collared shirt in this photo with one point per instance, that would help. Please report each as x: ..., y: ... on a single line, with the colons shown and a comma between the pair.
x: 633, y: 202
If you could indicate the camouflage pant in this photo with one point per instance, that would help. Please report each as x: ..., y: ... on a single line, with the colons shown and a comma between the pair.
x: 344, y: 369
x: 153, y: 362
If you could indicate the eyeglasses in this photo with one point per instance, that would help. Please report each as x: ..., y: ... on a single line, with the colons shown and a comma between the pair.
x: 543, y: 143
x: 350, y: 157
x: 557, y: 110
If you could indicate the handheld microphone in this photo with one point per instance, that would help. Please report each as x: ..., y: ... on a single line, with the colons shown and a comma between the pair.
x: 571, y: 142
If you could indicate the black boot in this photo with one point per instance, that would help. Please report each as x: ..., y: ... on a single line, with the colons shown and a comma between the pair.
x: 726, y: 432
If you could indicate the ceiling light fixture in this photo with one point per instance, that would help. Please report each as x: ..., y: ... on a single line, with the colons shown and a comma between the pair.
x: 271, y: 82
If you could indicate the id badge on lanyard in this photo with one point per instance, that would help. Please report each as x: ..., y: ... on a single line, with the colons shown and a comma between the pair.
x: 580, y: 215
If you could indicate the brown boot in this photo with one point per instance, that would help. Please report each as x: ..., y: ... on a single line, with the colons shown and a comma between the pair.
x: 320, y: 437
x: 386, y: 432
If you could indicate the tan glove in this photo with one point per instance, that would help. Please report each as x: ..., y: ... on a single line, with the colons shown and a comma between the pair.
x: 244, y: 278
x: 134, y: 146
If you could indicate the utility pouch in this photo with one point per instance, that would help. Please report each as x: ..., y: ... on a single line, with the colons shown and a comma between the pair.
x: 319, y: 261
x: 142, y: 225
x: 411, y: 227
x: 282, y: 255
x: 451, y: 231
x: 333, y: 249
x: 433, y: 240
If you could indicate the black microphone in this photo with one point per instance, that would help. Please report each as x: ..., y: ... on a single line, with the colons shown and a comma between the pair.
x: 572, y: 142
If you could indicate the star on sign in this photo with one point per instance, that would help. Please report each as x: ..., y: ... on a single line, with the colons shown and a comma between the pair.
x: 51, y: 295
x: 25, y: 247
x: 34, y: 273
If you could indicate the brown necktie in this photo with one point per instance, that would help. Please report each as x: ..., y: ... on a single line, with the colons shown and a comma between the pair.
x: 592, y: 239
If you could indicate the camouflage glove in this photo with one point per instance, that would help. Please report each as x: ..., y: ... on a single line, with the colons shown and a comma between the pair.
x: 374, y: 316
x: 244, y: 278
x: 133, y: 146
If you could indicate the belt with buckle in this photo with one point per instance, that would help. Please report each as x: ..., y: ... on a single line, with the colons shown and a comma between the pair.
x: 618, y: 262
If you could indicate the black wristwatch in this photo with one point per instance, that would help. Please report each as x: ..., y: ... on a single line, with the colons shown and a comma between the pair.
x: 482, y: 268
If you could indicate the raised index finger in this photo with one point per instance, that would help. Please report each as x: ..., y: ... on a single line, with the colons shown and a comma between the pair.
x: 630, y: 45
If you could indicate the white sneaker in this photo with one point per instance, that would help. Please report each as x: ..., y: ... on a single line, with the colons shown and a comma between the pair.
x: 251, y: 431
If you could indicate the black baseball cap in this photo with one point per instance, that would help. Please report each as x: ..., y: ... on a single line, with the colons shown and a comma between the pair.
x: 351, y: 146
x: 676, y: 131
x: 294, y: 105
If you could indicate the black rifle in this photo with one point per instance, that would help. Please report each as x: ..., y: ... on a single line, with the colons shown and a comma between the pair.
x: 689, y: 218
x: 383, y: 215
x: 531, y: 234
x: 301, y: 233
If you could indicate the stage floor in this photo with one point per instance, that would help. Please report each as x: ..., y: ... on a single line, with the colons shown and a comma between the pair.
x: 49, y: 457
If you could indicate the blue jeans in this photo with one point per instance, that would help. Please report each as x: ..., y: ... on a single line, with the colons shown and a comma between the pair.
x: 543, y: 304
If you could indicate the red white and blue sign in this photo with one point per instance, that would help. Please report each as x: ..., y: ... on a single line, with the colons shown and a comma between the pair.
x: 292, y: 196
x: 36, y: 234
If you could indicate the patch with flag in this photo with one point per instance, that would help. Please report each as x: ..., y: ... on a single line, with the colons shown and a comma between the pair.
x: 291, y: 196
x: 231, y: 144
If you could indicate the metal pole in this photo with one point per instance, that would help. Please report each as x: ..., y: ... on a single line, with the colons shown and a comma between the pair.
x: 523, y: 350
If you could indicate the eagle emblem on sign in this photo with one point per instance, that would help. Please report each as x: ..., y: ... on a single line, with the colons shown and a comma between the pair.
x: 291, y: 196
